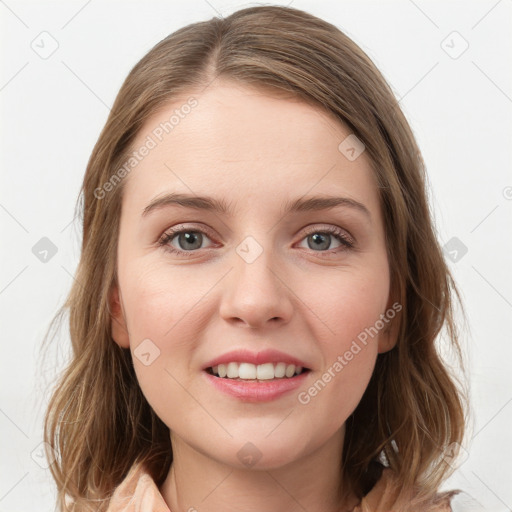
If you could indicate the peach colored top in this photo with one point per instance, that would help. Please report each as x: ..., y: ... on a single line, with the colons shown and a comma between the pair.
x: 139, y: 493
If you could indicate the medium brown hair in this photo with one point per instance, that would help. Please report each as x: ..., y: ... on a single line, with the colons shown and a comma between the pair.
x: 98, y: 420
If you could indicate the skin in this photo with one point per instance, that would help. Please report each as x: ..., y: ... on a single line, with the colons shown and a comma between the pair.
x: 254, y: 150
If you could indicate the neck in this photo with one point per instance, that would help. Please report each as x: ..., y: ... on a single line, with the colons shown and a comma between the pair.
x: 313, y: 482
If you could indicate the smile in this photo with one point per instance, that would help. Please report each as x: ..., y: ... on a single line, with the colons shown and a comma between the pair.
x: 249, y: 371
x: 250, y: 389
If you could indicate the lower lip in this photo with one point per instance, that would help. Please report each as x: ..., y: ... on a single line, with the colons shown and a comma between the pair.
x: 262, y: 391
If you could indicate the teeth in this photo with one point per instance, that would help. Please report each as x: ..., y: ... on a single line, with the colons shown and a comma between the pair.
x: 280, y: 370
x: 248, y: 371
x: 263, y: 371
x: 232, y: 370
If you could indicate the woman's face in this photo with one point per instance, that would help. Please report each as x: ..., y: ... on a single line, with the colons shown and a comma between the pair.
x: 310, y: 282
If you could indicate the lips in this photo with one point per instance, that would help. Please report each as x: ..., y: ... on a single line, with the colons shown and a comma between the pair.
x: 256, y: 391
x: 256, y: 358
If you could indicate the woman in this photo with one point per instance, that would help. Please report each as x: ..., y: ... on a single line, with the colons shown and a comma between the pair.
x: 287, y: 360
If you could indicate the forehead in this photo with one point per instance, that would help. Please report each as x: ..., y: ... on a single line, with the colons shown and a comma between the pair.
x: 245, y: 141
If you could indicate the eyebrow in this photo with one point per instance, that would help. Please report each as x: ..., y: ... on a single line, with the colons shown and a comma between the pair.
x: 212, y: 204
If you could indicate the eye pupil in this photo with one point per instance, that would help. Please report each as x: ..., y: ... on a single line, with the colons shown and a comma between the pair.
x: 319, y: 239
x: 190, y: 237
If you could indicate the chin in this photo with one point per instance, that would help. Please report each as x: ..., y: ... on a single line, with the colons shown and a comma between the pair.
x: 264, y: 451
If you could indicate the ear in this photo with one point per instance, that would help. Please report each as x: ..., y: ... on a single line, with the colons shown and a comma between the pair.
x: 118, y: 326
x: 388, y: 337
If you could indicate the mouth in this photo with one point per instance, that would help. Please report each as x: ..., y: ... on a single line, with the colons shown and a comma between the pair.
x: 247, y: 372
x: 247, y: 382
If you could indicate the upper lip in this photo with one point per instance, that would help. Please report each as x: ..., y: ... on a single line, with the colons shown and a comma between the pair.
x: 256, y: 358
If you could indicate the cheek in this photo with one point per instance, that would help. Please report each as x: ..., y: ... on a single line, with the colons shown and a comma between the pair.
x: 347, y: 304
x: 161, y: 302
x: 164, y: 312
x: 161, y: 321
x: 349, y: 310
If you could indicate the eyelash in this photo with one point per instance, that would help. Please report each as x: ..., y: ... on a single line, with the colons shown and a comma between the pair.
x: 346, y: 241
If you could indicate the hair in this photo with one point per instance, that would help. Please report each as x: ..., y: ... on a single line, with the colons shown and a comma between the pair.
x: 99, y: 422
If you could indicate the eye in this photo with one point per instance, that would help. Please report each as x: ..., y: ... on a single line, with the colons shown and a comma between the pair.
x: 185, y: 242
x: 188, y: 240
x: 320, y: 239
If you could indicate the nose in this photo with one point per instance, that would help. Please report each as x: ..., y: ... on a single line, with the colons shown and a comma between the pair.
x: 255, y: 293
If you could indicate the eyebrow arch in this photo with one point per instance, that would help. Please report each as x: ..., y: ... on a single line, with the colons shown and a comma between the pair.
x: 220, y: 206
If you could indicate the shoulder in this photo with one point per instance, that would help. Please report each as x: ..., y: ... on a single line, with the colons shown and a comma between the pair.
x: 383, y: 495
x: 457, y: 501
x: 463, y: 502
x: 138, y: 492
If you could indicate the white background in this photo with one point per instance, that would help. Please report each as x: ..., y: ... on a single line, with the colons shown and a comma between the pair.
x: 53, y: 110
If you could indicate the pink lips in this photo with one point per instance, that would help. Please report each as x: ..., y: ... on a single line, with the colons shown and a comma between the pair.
x: 251, y: 390
x: 246, y: 356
